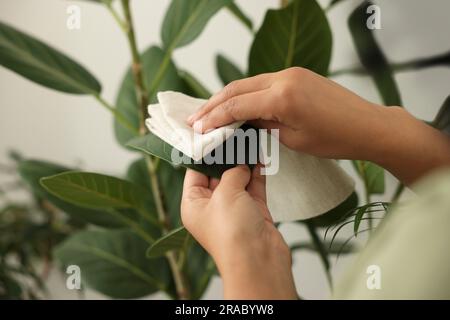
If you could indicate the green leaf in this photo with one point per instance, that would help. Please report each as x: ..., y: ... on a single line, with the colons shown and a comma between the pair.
x: 336, y: 214
x: 372, y: 176
x: 138, y: 174
x: 240, y: 15
x: 185, y: 20
x: 114, y: 263
x: 42, y: 64
x: 126, y: 102
x: 95, y: 191
x: 193, y: 87
x: 358, y: 217
x: 297, y: 35
x: 442, y: 119
x: 372, y: 57
x: 152, y: 145
x: 175, y: 239
x: 33, y: 170
x: 227, y: 71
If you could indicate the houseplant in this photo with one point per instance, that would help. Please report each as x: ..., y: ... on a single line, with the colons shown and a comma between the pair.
x: 138, y: 246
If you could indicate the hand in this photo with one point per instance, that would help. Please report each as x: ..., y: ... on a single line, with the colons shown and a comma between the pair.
x: 317, y: 116
x: 230, y: 219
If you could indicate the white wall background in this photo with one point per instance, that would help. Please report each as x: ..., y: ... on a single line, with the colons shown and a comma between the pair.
x: 71, y: 129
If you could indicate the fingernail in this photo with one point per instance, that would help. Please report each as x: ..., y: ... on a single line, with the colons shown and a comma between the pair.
x: 198, y: 125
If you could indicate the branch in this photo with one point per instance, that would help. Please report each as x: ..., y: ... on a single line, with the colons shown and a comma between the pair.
x: 136, y: 67
x: 434, y: 61
x: 141, y: 92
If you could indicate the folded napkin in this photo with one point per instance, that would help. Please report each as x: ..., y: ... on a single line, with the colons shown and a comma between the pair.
x: 304, y: 186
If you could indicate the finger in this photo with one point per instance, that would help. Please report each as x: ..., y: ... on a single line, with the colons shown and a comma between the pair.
x: 235, y: 179
x: 195, y: 197
x: 195, y: 186
x: 286, y: 135
x: 213, y: 183
x: 235, y: 88
x: 249, y: 106
x: 195, y: 179
x: 257, y: 186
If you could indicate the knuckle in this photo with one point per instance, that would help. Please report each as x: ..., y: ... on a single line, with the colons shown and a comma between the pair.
x: 230, y: 89
x: 230, y: 105
x: 285, y: 94
x: 296, y: 72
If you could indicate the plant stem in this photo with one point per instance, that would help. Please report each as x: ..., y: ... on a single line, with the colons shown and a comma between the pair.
x: 180, y: 283
x: 120, y: 117
x: 123, y: 25
x: 136, y: 67
x: 323, y: 252
x: 141, y: 92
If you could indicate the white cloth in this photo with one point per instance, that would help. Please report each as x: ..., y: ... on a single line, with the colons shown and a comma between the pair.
x: 304, y: 187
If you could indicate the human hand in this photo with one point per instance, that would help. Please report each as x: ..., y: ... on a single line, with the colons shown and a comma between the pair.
x: 314, y: 114
x: 318, y: 116
x: 230, y: 219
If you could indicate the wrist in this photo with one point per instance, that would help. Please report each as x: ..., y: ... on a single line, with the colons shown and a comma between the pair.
x: 408, y: 147
x: 257, y: 272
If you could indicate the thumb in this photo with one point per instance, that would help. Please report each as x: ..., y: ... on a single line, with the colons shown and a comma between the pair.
x: 236, y: 179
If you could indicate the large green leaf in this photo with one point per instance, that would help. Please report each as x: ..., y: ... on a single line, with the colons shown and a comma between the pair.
x: 338, y: 213
x: 114, y: 263
x: 126, y: 102
x: 297, y: 35
x: 185, y: 20
x: 93, y: 190
x: 372, y: 176
x: 176, y: 239
x: 40, y: 63
x: 121, y: 198
x: 151, y: 144
x: 227, y: 71
x: 33, y: 170
x: 372, y: 57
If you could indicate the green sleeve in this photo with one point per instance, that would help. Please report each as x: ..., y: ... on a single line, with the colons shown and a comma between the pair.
x: 408, y: 257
